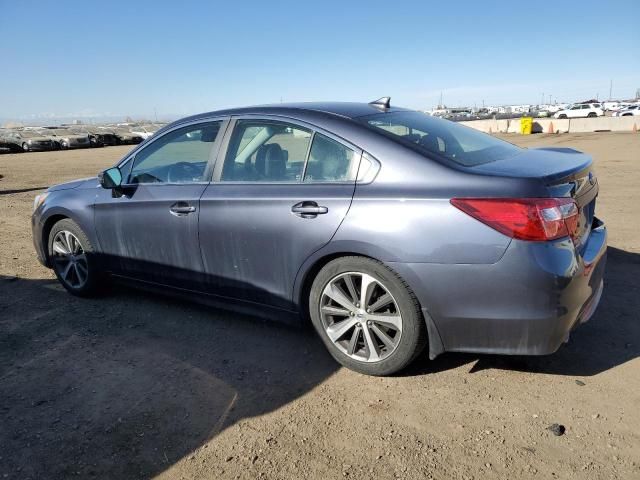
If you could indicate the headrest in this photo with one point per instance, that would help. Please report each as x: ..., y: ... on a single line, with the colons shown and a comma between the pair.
x: 271, y: 162
x: 209, y: 134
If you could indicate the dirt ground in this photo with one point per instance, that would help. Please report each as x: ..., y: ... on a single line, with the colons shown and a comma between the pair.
x: 134, y: 385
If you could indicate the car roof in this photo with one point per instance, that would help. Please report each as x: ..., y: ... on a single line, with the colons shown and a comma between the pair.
x: 348, y: 110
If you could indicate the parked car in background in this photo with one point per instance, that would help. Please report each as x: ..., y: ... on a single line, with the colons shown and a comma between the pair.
x: 28, y: 140
x: 390, y: 229
x: 8, y: 147
x: 581, y: 110
x: 97, y: 137
x: 124, y: 136
x: 66, y: 138
x: 631, y: 110
x: 144, y: 131
x: 619, y: 106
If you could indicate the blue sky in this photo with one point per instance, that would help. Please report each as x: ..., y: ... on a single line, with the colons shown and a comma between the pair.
x: 81, y: 58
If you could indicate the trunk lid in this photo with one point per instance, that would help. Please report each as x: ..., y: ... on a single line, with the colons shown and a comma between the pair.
x: 564, y: 172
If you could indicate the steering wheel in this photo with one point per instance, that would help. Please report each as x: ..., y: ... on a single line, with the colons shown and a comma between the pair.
x: 183, y: 171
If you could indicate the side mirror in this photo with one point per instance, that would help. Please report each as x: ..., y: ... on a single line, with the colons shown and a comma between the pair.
x: 111, y: 178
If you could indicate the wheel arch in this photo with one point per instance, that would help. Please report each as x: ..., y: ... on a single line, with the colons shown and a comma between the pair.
x: 50, y: 218
x: 46, y: 230
x: 316, y: 262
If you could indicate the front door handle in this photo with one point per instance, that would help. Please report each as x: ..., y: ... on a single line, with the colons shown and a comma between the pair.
x: 179, y: 209
x: 309, y: 209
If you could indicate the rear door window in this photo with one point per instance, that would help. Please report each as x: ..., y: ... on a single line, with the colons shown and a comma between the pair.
x: 329, y: 161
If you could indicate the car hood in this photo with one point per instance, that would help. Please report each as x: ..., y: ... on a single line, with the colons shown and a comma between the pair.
x: 74, y: 184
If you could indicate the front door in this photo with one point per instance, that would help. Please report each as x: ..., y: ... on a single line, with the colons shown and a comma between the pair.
x: 149, y: 229
x: 280, y: 195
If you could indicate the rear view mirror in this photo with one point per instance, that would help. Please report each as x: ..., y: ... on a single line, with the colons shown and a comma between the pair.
x: 111, y: 178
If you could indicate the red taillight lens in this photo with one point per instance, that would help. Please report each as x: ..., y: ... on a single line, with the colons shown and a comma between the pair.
x: 535, y: 219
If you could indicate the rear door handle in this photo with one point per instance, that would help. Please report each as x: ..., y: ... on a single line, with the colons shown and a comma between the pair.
x: 309, y: 209
x: 180, y: 209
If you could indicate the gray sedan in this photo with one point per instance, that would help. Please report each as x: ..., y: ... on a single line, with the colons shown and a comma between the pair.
x: 391, y: 231
x: 66, y: 138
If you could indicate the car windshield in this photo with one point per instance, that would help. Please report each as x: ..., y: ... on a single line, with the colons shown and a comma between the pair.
x: 441, y: 138
x: 29, y: 134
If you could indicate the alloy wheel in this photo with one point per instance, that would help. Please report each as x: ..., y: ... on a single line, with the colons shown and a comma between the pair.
x: 360, y: 316
x: 70, y: 259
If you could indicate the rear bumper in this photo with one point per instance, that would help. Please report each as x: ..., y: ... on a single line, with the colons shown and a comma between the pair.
x: 527, y: 303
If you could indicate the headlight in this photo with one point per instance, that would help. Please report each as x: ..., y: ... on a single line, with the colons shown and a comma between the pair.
x: 39, y: 200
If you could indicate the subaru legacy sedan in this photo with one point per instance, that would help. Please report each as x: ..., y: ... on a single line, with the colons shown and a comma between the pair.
x: 391, y: 230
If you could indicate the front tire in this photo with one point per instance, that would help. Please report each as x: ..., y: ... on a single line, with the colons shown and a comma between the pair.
x: 25, y: 147
x: 73, y: 259
x: 375, y: 330
x: 562, y: 117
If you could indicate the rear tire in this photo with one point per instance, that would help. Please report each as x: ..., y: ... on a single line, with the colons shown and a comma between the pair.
x: 73, y: 259
x: 377, y: 333
x: 563, y: 116
x: 25, y: 147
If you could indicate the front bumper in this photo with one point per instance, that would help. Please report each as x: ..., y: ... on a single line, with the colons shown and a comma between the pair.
x: 527, y: 303
x: 38, y: 241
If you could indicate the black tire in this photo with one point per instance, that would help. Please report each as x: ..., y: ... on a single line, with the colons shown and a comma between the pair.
x: 25, y: 147
x: 563, y: 116
x: 592, y: 114
x: 94, y: 276
x: 413, y: 338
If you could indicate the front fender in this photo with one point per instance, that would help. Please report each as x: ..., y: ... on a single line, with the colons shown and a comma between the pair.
x: 75, y: 204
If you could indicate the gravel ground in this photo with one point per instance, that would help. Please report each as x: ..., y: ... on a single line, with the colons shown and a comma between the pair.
x: 134, y: 385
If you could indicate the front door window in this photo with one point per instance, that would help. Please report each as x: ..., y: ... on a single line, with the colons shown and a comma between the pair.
x: 180, y: 156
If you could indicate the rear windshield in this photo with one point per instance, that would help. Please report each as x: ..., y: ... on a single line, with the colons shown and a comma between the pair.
x: 441, y: 138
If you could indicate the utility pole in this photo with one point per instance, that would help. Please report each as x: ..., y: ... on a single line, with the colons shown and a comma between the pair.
x: 155, y: 113
x: 542, y: 101
x: 610, y: 88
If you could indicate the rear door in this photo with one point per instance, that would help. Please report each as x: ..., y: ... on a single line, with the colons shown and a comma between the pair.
x: 280, y: 191
x: 150, y: 230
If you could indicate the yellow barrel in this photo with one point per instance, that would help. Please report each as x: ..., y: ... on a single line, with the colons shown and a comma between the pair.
x: 526, y: 124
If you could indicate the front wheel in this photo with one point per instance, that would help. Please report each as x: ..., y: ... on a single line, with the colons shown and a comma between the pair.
x: 25, y: 147
x: 563, y: 116
x: 367, y: 316
x: 592, y: 115
x: 72, y: 258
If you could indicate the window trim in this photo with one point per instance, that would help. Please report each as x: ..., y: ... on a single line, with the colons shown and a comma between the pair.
x: 126, y: 164
x: 222, y: 153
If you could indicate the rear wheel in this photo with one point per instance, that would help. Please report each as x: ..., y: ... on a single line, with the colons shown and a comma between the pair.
x: 563, y: 116
x: 367, y: 316
x: 72, y: 259
x: 25, y: 147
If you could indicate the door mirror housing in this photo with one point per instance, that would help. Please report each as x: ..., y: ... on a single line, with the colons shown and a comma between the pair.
x: 111, y: 178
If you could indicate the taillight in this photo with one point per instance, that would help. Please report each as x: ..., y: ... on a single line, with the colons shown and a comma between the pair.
x: 535, y: 219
